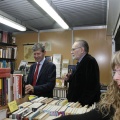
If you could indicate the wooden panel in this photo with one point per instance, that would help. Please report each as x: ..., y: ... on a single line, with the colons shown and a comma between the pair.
x: 21, y: 39
x: 61, y: 43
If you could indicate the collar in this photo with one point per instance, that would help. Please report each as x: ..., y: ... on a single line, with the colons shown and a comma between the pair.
x: 42, y: 61
x: 81, y: 57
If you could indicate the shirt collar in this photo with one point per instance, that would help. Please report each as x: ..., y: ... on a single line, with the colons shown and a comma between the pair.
x: 81, y: 57
x: 42, y: 61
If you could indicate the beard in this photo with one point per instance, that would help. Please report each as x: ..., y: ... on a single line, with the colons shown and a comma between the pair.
x: 73, y: 57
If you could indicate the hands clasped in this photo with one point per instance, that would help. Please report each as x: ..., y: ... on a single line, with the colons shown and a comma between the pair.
x: 29, y: 88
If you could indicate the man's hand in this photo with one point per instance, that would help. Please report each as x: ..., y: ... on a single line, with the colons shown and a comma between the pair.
x: 29, y: 88
x: 67, y: 76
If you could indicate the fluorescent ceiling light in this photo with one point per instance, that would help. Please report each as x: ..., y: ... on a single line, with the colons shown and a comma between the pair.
x: 11, y: 23
x: 47, y: 8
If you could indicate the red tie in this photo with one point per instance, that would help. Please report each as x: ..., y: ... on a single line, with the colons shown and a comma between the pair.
x: 35, y: 74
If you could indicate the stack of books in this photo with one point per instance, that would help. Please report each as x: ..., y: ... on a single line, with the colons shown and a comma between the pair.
x: 40, y: 109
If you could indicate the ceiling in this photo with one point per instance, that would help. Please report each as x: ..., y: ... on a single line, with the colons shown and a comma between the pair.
x: 76, y: 13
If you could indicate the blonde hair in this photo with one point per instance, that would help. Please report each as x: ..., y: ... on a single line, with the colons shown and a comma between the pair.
x: 111, y: 99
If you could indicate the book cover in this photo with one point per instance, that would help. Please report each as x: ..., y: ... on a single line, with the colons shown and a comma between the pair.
x: 5, y: 70
x: 4, y: 75
x: 71, y: 68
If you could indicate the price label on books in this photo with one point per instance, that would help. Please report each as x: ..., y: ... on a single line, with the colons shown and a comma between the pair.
x: 13, y: 106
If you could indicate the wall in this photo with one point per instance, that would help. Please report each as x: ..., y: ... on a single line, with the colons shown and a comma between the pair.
x: 21, y: 39
x: 100, y: 46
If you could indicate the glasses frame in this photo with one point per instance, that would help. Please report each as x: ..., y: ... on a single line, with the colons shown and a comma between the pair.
x: 116, y: 71
x: 73, y: 49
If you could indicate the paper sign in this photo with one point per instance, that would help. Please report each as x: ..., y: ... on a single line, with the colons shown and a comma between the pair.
x: 13, y: 106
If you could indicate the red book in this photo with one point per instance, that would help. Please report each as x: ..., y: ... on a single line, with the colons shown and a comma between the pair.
x: 5, y: 70
x: 17, y: 86
x: 4, y: 75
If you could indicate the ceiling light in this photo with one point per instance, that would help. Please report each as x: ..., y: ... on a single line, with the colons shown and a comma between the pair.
x: 11, y: 23
x: 47, y: 8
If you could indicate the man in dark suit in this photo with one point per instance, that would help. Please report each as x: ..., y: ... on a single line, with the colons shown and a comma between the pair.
x: 84, y: 83
x: 42, y: 75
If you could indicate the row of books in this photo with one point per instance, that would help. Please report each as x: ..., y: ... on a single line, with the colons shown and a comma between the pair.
x: 4, y: 87
x: 8, y: 52
x: 44, y: 108
x: 60, y: 92
x: 7, y: 64
x: 6, y: 37
x: 11, y: 86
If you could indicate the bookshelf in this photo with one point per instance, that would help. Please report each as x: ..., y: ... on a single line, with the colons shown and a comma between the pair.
x: 60, y: 92
x: 8, y: 50
x: 8, y: 53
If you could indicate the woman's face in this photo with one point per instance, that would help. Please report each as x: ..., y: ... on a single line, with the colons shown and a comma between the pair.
x: 116, y: 75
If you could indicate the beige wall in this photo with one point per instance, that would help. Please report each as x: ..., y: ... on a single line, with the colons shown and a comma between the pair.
x: 61, y: 41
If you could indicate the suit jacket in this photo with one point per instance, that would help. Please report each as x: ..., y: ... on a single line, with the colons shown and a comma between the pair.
x: 84, y: 83
x: 46, y: 79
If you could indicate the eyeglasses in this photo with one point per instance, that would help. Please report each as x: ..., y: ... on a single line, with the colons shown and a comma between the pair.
x: 116, y: 71
x: 73, y: 49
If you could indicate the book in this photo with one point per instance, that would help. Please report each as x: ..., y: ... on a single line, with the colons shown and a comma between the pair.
x: 4, y: 75
x: 41, y: 116
x: 71, y: 68
x: 25, y: 115
x: 33, y: 114
x: 3, y: 114
x: 22, y: 113
x: 34, y: 106
x: 17, y: 86
x: 23, y: 105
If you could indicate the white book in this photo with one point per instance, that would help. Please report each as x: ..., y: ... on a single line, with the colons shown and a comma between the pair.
x: 56, y: 111
x: 80, y: 110
x: 15, y: 113
x: 21, y: 113
x: 42, y: 107
x: 38, y: 99
x: 43, y: 116
x: 46, y: 108
x: 54, y: 102
x: 3, y: 114
x: 9, y: 81
x: 26, y: 114
x: 25, y: 104
x: 34, y: 114
x: 35, y: 106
